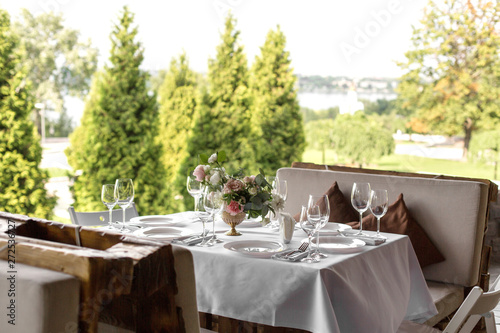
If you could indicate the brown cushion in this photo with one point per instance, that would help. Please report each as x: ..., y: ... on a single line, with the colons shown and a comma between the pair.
x: 341, y: 209
x: 398, y: 220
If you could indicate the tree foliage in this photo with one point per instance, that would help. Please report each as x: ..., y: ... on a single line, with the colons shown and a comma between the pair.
x: 452, y: 70
x: 21, y: 180
x: 278, y: 134
x: 222, y: 121
x: 178, y: 97
x: 57, y: 61
x: 359, y: 139
x: 117, y: 137
x: 485, y: 147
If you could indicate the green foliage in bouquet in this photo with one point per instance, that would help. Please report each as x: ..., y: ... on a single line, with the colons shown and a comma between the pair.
x: 117, y: 137
x: 21, y: 180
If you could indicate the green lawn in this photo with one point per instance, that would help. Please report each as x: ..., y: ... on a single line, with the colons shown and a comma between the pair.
x: 408, y: 163
x: 57, y: 172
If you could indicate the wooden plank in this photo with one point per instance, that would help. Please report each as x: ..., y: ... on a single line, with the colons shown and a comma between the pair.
x: 126, y: 281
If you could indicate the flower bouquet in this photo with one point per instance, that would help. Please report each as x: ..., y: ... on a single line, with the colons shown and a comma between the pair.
x: 242, y: 195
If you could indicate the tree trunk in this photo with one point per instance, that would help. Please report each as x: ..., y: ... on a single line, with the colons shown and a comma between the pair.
x: 468, y: 124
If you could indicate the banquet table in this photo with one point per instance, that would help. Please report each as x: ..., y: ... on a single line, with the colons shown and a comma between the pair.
x: 369, y: 289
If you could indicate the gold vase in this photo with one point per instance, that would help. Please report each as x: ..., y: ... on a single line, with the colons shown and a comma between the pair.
x: 233, y: 221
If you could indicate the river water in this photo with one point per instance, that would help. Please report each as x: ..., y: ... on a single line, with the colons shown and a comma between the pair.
x: 323, y: 101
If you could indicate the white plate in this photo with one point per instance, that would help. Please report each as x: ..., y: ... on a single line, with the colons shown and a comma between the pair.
x: 163, y: 233
x: 256, y: 248
x: 339, y: 244
x: 153, y: 220
x: 333, y: 228
x: 250, y: 223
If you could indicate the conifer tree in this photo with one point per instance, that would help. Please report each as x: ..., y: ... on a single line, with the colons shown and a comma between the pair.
x: 21, y: 180
x: 277, y: 128
x: 222, y: 122
x: 117, y: 137
x: 178, y: 98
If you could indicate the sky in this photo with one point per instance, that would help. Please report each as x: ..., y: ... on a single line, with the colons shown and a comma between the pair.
x: 355, y: 38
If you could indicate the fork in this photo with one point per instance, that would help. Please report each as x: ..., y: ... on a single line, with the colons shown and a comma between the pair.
x: 301, y: 248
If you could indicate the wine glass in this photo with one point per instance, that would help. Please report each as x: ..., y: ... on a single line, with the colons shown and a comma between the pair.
x: 109, y: 200
x: 324, y: 206
x: 195, y: 189
x: 124, y: 192
x: 360, y: 199
x: 213, y: 203
x: 310, y: 218
x: 202, y: 215
x: 378, y: 206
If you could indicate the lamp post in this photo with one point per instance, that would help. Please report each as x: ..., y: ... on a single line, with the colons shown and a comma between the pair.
x: 41, y: 107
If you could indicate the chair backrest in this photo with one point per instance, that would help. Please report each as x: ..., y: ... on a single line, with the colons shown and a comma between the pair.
x: 101, y: 217
x: 476, y: 305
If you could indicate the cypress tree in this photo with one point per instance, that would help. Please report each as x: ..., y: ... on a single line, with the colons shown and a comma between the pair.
x: 222, y: 122
x: 277, y: 127
x: 21, y: 180
x: 117, y: 137
x: 178, y: 98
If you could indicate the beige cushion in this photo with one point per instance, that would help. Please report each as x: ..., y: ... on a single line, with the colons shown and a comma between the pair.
x: 452, y: 212
x: 186, y: 285
x: 446, y: 297
x: 46, y: 301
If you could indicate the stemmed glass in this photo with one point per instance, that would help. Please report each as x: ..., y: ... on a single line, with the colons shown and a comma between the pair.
x: 360, y: 199
x: 279, y: 187
x: 310, y: 218
x: 201, y: 214
x: 195, y: 189
x: 378, y: 205
x: 109, y: 200
x: 124, y: 193
x: 324, y: 206
x: 213, y: 203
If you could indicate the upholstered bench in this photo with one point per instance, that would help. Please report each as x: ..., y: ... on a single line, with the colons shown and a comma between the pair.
x: 40, y: 300
x: 452, y: 212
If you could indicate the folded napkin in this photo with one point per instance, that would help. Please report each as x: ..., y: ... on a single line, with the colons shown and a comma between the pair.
x: 294, y: 257
x: 188, y: 240
x: 369, y: 240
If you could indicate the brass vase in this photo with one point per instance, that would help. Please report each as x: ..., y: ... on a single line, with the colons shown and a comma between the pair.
x: 233, y: 221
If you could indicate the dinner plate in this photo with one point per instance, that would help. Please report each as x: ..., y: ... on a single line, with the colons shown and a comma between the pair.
x: 163, y: 233
x: 250, y: 223
x: 256, y: 248
x: 153, y: 220
x: 334, y: 228
x: 339, y: 244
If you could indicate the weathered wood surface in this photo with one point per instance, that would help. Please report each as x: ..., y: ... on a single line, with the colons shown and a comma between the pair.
x: 126, y: 281
x: 230, y: 325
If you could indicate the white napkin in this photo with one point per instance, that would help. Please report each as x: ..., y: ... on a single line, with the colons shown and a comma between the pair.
x: 287, y: 226
x: 369, y: 240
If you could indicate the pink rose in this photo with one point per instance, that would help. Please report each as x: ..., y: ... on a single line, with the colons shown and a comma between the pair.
x: 199, y: 173
x: 249, y: 179
x: 234, y: 208
x: 233, y: 185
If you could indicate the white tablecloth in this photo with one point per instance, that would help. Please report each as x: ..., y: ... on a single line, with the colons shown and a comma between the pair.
x: 372, y: 290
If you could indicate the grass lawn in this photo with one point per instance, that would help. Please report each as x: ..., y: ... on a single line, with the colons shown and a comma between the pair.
x: 57, y: 172
x: 408, y: 163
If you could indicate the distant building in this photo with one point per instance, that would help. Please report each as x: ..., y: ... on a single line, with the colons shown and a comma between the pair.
x: 351, y: 103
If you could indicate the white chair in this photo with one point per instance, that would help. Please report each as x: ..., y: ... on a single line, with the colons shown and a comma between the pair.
x: 477, y: 304
x: 101, y: 217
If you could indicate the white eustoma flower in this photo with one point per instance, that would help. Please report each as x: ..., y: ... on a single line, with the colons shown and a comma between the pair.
x: 212, y: 159
x: 278, y: 202
x: 215, y: 178
x: 252, y: 190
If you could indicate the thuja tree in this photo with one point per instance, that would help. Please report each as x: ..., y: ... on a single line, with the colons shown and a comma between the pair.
x: 178, y: 98
x: 223, y: 121
x: 278, y: 134
x: 117, y: 136
x: 21, y: 180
